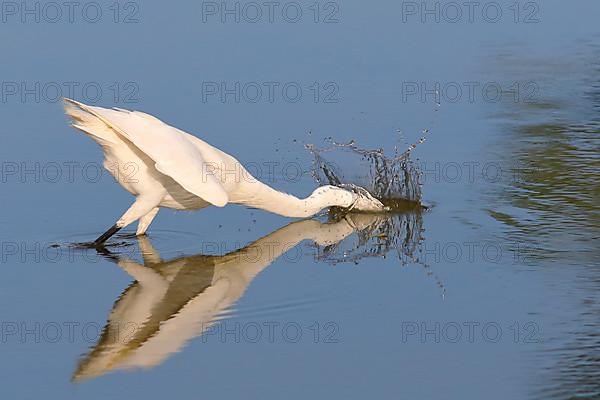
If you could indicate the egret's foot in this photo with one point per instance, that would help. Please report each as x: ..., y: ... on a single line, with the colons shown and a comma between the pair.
x: 87, y: 245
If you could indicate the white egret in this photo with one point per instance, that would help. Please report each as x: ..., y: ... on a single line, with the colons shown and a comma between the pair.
x: 165, y: 167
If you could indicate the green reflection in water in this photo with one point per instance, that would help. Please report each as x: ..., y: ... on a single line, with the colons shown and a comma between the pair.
x: 550, y: 208
x: 551, y: 201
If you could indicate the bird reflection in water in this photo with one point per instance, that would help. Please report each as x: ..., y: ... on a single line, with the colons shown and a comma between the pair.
x: 171, y: 302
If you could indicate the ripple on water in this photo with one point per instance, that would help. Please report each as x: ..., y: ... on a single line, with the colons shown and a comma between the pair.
x: 125, y: 244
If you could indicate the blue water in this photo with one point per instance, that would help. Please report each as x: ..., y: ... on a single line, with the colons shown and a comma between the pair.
x: 499, y: 298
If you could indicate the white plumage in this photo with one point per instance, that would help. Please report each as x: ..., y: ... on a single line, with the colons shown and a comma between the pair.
x: 166, y: 167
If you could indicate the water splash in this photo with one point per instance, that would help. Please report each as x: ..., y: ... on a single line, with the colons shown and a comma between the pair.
x: 395, y: 180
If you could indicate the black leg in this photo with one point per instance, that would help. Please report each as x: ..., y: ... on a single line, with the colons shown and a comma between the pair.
x: 104, y: 237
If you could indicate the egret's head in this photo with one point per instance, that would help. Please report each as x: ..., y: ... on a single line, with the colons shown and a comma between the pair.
x: 351, y: 197
x: 363, y: 200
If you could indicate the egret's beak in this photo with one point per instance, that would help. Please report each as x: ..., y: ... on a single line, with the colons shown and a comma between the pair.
x: 364, y: 201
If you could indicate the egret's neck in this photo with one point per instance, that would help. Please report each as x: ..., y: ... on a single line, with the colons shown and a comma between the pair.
x: 266, y: 198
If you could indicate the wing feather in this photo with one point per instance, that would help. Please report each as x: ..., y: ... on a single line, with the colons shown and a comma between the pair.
x: 168, y: 147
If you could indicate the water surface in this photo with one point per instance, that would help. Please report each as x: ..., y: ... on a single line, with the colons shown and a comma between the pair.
x: 490, y: 293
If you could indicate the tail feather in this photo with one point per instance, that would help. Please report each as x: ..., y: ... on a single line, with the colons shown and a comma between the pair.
x: 90, y: 124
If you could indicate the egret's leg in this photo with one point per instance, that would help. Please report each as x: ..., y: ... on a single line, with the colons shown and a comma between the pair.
x: 106, y: 235
x: 141, y: 207
x: 145, y: 221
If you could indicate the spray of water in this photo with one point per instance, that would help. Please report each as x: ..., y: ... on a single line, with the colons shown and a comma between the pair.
x: 395, y: 181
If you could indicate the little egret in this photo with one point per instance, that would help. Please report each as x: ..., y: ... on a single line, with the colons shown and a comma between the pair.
x: 163, y: 166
